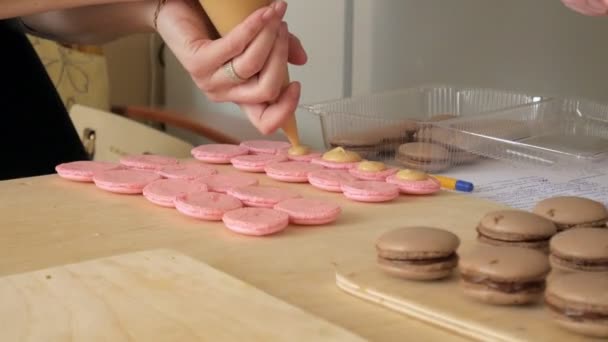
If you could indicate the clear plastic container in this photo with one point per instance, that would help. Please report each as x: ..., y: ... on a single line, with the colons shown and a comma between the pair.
x: 559, y: 133
x: 376, y: 125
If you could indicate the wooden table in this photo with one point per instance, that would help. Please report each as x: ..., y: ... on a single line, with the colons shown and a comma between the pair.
x: 48, y: 221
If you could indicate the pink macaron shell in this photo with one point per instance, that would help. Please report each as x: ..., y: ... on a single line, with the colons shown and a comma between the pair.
x: 163, y: 192
x: 208, y: 206
x: 256, y: 221
x: 370, y: 191
x: 330, y: 180
x: 262, y: 196
x: 372, y: 175
x: 147, y: 161
x: 83, y: 171
x: 222, y: 182
x: 265, y: 146
x: 307, y: 211
x: 333, y: 165
x: 218, y: 153
x: 291, y: 171
x: 255, y: 162
x: 124, y: 181
x: 188, y: 170
x: 416, y: 187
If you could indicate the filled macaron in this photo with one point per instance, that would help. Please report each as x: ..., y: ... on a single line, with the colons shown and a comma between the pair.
x: 581, y: 249
x: 578, y: 302
x: 423, y: 156
x: 418, y: 253
x: 516, y: 228
x: 572, y: 212
x: 338, y: 158
x: 414, y: 182
x: 503, y: 275
x: 372, y: 170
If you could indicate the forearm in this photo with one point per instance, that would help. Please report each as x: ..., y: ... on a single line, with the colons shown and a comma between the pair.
x: 93, y: 24
x: 19, y: 8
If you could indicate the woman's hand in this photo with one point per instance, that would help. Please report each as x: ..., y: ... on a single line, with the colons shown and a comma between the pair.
x: 247, y: 66
x: 588, y: 7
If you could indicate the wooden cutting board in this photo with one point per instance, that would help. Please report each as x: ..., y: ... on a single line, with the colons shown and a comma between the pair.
x: 156, y: 295
x: 442, y: 304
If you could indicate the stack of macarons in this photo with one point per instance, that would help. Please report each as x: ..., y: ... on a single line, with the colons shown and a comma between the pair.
x: 557, y: 255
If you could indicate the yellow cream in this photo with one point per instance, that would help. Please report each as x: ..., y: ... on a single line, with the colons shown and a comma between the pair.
x: 340, y: 155
x: 412, y: 175
x: 298, y: 150
x: 371, y: 166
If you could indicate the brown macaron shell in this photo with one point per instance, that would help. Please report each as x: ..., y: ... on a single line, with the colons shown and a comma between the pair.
x: 581, y: 249
x: 571, y: 211
x: 516, y: 228
x: 579, y: 302
x: 423, y: 156
x: 503, y: 275
x: 418, y: 253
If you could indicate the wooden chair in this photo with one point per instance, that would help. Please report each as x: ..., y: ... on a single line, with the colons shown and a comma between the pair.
x: 107, y: 137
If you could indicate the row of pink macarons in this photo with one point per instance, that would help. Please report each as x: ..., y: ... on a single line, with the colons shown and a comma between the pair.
x: 270, y: 209
x: 272, y: 158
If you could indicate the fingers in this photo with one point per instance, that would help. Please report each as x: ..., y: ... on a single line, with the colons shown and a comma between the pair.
x: 268, y: 118
x: 588, y: 7
x: 297, y: 54
x: 266, y: 87
x: 252, y: 60
x: 210, y: 56
x: 598, y: 6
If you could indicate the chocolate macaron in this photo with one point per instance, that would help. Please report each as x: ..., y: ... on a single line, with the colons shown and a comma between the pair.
x: 503, y: 275
x: 418, y: 253
x: 423, y: 156
x: 579, y: 302
x: 572, y: 212
x: 516, y: 228
x: 582, y: 249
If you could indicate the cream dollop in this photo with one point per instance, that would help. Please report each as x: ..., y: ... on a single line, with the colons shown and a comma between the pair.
x: 371, y: 166
x: 298, y: 150
x: 412, y: 175
x: 340, y: 155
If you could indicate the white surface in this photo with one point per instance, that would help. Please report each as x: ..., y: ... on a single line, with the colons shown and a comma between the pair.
x: 522, y: 188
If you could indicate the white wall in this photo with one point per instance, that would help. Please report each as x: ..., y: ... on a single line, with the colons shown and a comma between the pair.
x: 529, y: 45
x: 321, y: 27
x: 535, y: 45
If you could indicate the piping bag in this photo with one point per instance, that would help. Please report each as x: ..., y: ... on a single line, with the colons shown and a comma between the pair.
x: 225, y: 15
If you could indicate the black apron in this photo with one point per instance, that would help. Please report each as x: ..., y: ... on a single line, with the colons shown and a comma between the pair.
x: 36, y: 133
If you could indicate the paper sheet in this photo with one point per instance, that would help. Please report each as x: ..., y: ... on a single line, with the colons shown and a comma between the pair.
x: 522, y: 187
